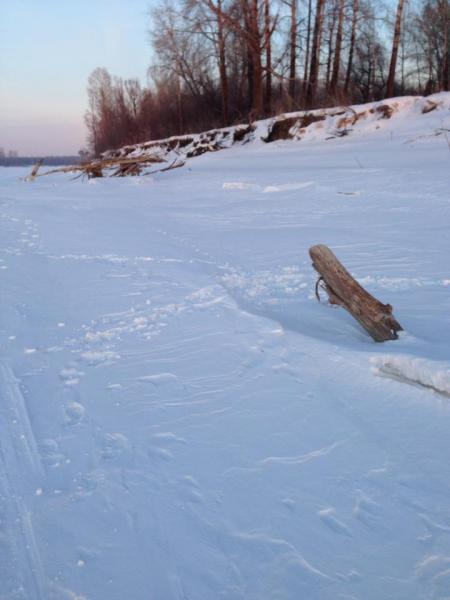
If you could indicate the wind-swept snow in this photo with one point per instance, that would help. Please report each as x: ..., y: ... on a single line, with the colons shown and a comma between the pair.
x: 180, y: 418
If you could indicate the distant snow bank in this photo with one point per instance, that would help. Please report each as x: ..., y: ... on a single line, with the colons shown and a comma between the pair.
x: 321, y: 124
x: 423, y: 372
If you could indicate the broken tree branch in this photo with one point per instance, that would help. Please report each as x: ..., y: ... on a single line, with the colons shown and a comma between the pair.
x: 122, y: 165
x: 376, y: 318
x: 32, y: 176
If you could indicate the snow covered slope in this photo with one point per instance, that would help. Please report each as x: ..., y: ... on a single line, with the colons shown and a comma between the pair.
x: 321, y: 124
x: 180, y: 418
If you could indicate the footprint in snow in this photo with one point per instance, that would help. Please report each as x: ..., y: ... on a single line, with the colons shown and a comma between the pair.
x: 50, y: 453
x: 190, y: 490
x: 97, y: 357
x: 74, y: 413
x: 159, y: 453
x: 113, y: 445
x: 329, y: 518
x: 365, y: 509
x: 71, y: 376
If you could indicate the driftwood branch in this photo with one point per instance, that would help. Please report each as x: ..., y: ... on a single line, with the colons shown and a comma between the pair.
x: 34, y: 171
x: 342, y: 289
x: 121, y: 167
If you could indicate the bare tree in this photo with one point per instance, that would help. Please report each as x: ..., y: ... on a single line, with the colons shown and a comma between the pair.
x: 293, y: 50
x: 394, y: 53
x: 352, y: 45
x: 337, y: 49
x: 315, y: 54
x: 308, y: 46
x: 268, y: 51
x: 218, y: 62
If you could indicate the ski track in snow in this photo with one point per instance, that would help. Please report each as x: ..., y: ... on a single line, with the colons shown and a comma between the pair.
x: 181, y: 418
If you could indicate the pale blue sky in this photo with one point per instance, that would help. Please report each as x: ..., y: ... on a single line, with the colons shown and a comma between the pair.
x: 48, y: 48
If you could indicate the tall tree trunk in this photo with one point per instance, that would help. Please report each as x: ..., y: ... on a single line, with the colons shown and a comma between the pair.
x: 330, y: 50
x: 351, y: 50
x: 179, y: 107
x: 222, y: 64
x: 402, y: 66
x: 337, y: 50
x: 268, y: 47
x: 256, y: 47
x: 445, y: 50
x: 315, y: 55
x: 246, y: 34
x: 293, y: 52
x: 250, y: 77
x: 395, y: 44
x: 308, y: 44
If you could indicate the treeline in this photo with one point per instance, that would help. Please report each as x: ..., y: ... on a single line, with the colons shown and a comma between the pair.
x: 217, y: 62
x: 25, y: 161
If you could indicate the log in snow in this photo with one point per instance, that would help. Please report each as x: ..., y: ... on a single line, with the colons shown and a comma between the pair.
x: 376, y: 317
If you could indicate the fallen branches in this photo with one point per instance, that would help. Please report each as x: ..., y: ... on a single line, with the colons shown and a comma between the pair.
x: 32, y: 176
x: 120, y: 167
x: 342, y: 289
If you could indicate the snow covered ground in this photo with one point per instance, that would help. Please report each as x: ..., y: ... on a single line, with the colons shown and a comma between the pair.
x: 181, y: 420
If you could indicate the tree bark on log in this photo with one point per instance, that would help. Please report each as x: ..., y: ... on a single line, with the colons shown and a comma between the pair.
x: 342, y: 289
x: 32, y: 176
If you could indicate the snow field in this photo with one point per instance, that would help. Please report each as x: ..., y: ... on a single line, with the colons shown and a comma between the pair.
x: 180, y: 418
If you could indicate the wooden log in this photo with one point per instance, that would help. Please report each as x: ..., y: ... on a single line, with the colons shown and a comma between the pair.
x: 342, y: 289
x: 32, y: 176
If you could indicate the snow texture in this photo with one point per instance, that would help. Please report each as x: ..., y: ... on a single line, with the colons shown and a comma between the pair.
x: 180, y: 419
